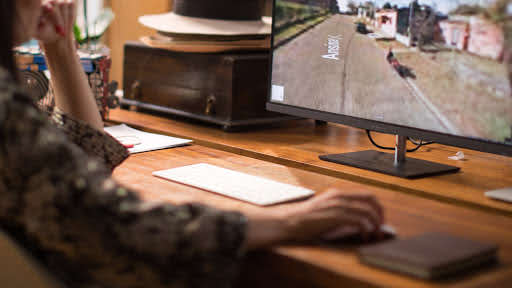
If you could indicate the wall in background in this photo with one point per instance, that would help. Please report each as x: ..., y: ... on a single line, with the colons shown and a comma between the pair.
x: 126, y: 27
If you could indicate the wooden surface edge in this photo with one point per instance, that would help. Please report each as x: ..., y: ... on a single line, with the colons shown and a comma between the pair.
x: 326, y: 171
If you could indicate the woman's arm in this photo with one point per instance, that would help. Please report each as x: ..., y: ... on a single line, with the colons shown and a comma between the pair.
x: 73, y: 94
x: 93, y: 142
x: 91, y: 228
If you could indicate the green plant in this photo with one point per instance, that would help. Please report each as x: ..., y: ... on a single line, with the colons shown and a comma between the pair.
x: 94, y: 30
x: 78, y: 34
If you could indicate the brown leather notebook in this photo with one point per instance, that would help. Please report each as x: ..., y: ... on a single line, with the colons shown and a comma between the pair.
x: 430, y: 256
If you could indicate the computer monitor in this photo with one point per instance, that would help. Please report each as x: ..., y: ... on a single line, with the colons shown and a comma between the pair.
x: 438, y: 70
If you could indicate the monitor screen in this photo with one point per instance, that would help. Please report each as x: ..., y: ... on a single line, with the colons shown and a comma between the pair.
x: 441, y: 66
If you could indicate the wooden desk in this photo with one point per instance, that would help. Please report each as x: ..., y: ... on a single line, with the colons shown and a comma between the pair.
x: 299, y: 143
x: 310, y: 266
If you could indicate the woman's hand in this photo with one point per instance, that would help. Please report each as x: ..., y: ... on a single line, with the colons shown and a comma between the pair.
x: 330, y: 214
x: 71, y: 88
x: 56, y: 23
x: 323, y: 217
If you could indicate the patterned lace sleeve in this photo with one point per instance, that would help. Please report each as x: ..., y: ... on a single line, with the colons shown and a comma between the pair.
x: 93, y: 142
x: 90, y: 231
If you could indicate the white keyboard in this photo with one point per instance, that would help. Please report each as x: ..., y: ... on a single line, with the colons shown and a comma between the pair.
x: 252, y: 189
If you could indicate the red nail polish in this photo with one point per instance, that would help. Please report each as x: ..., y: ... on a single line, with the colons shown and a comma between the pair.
x: 60, y: 30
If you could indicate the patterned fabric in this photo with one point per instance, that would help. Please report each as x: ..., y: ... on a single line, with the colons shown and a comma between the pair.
x: 62, y: 205
x: 95, y: 143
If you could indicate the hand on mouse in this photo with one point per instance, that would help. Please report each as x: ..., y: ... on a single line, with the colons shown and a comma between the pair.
x: 319, y: 217
x: 333, y: 212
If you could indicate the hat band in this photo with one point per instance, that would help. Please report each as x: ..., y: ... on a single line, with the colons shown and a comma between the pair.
x: 233, y: 10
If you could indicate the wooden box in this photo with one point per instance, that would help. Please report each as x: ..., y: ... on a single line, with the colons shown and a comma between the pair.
x: 228, y: 89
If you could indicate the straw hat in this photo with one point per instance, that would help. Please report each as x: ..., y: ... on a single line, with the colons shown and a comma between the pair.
x: 212, y: 17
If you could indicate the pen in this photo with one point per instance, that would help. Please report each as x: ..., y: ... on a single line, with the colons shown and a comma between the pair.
x: 128, y: 141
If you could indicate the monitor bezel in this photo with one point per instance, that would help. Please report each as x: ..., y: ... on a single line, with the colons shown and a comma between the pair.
x: 483, y: 145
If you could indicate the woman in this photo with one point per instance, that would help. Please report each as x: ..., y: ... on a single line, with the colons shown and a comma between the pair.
x: 57, y: 197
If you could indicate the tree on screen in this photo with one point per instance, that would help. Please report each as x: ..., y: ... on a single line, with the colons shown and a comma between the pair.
x: 352, y: 6
x: 335, y: 9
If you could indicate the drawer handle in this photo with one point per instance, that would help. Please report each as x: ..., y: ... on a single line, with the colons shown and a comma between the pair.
x: 210, y: 105
x: 135, y: 90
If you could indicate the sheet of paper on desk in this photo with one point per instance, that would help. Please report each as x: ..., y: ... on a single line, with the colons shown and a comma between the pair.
x: 143, y: 141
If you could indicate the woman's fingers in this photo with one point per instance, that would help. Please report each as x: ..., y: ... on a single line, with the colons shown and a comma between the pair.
x: 68, y: 13
x: 46, y: 28
x: 348, y: 225
x: 57, y: 21
x: 367, y: 199
x: 72, y: 15
x: 363, y: 209
x: 63, y: 14
x: 55, y: 14
x: 370, y: 200
x: 331, y: 213
x: 364, y: 214
x: 340, y: 232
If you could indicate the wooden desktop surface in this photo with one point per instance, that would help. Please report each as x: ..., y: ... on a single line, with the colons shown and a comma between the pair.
x: 298, y: 144
x: 317, y: 266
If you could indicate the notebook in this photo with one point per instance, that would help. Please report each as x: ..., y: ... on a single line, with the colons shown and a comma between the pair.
x: 138, y: 141
x: 430, y: 256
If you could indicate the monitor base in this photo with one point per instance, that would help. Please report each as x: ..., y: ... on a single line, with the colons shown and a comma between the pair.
x: 385, y: 163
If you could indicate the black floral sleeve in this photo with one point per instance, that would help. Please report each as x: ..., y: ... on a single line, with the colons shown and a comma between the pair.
x: 63, y: 206
x: 95, y: 143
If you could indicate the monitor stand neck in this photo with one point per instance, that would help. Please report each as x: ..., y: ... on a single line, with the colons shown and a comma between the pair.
x: 400, y: 150
x: 396, y: 165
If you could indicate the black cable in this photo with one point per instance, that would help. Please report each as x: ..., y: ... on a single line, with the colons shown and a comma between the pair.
x: 368, y: 132
x: 418, y: 144
x: 415, y: 148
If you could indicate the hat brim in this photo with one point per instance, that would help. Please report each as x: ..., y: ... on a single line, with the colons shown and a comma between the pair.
x: 177, y: 24
x: 204, y: 46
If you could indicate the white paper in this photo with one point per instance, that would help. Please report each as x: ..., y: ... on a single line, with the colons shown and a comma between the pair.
x: 148, y: 141
x: 459, y: 156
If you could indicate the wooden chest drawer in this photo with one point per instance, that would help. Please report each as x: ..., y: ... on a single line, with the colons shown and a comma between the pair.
x: 229, y: 89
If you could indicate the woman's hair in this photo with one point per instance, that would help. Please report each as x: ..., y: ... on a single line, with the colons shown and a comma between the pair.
x: 7, y: 12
